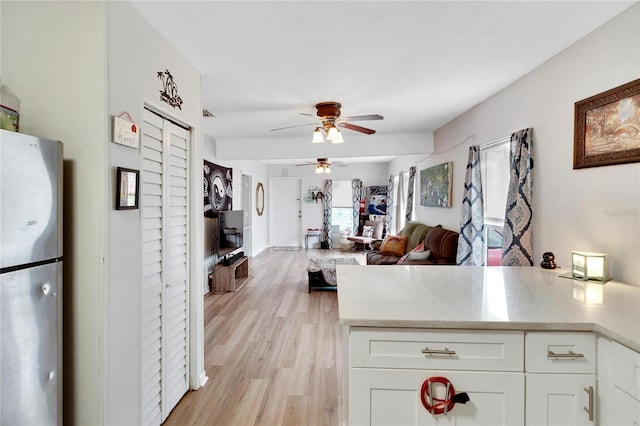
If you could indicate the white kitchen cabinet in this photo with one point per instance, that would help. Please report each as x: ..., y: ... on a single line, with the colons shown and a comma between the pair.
x: 625, y: 409
x: 392, y: 397
x: 560, y: 399
x: 619, y: 377
x: 387, y: 367
x: 560, y: 378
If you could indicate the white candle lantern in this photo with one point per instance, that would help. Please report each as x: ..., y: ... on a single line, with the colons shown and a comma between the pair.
x: 589, y: 266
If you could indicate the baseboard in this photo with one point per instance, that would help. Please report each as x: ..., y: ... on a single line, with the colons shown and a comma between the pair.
x: 202, y: 379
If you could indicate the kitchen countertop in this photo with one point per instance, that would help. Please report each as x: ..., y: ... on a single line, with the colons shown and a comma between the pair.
x: 482, y: 298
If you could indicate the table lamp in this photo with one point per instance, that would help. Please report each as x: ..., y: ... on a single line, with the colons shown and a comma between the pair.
x: 589, y: 266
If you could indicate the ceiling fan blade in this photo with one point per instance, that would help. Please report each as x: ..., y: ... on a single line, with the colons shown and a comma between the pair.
x: 339, y: 164
x: 307, y: 164
x: 310, y: 115
x: 362, y: 117
x: 295, y: 125
x: 357, y: 128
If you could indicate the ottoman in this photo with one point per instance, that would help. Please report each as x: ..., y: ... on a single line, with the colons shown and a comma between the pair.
x: 322, y: 271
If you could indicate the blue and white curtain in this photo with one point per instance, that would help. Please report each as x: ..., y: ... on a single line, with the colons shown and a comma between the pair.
x: 398, y: 223
x: 326, y: 215
x: 412, y: 177
x: 471, y: 238
x: 389, y: 215
x: 356, y: 191
x: 517, y: 243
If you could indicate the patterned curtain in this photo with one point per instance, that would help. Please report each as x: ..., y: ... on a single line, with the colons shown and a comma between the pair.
x: 356, y: 186
x: 399, y: 204
x: 326, y: 217
x: 389, y: 215
x: 412, y: 177
x: 517, y: 243
x: 471, y: 239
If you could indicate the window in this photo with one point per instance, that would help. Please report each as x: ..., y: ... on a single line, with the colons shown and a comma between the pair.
x: 342, y: 206
x: 341, y: 218
x: 494, y: 164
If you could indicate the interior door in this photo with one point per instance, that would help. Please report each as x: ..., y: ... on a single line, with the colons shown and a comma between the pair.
x: 165, y: 203
x: 285, y: 212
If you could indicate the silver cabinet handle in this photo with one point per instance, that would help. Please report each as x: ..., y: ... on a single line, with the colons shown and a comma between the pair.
x: 589, y: 409
x: 570, y: 355
x: 444, y: 351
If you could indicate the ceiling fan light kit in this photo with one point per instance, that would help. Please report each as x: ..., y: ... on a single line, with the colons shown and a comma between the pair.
x: 323, y: 165
x: 317, y: 136
x: 323, y: 168
x: 329, y: 114
x: 334, y: 135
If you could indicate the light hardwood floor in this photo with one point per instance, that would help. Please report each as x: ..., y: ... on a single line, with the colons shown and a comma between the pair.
x: 272, y: 351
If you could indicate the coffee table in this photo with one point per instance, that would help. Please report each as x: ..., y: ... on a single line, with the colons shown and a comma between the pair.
x: 365, y: 241
x: 322, y: 271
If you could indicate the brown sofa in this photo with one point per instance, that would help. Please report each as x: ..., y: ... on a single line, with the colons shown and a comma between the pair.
x: 442, y: 243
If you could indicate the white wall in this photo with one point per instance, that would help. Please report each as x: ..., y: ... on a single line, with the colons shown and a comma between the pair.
x: 355, y: 145
x: 136, y: 54
x: 258, y: 172
x: 53, y: 60
x: 369, y: 173
x: 404, y: 162
x: 595, y: 209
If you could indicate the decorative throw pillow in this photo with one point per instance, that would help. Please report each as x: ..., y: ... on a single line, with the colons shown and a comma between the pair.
x: 394, y: 245
x: 367, y: 231
x: 418, y: 253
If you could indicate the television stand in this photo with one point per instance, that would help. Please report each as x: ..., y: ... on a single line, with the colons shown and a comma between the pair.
x: 232, y: 277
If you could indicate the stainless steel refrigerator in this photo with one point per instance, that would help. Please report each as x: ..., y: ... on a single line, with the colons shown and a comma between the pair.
x: 30, y: 280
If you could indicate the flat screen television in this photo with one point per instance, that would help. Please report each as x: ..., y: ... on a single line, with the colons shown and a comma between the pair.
x: 228, y: 233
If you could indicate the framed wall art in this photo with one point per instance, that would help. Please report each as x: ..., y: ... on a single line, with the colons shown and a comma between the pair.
x: 128, y: 184
x: 377, y: 199
x: 218, y: 189
x: 435, y: 185
x: 607, y: 127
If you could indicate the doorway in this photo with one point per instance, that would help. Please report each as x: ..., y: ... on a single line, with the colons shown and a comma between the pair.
x: 285, y: 212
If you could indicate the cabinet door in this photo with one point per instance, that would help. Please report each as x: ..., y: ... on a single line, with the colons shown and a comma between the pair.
x: 559, y: 399
x: 625, y: 409
x: 392, y: 397
x: 165, y: 258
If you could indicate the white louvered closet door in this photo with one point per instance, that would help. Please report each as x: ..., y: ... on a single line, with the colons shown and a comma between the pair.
x: 165, y: 151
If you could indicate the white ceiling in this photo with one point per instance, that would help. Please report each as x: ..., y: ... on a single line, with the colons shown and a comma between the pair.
x: 417, y: 63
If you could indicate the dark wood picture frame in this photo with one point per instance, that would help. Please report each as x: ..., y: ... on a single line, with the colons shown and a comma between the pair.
x: 127, y: 189
x: 607, y: 127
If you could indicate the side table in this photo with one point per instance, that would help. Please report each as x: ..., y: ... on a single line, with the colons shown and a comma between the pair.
x: 306, y: 239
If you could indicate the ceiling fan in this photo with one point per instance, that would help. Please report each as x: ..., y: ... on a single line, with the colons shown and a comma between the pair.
x: 323, y: 165
x: 329, y: 115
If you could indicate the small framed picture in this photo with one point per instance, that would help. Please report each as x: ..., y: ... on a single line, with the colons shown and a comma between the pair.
x: 128, y: 185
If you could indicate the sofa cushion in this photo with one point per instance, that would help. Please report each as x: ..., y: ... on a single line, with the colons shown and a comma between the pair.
x: 415, y: 231
x: 377, y: 258
x: 443, y: 244
x: 394, y: 245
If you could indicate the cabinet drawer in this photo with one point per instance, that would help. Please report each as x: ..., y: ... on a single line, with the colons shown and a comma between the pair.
x: 393, y: 397
x: 437, y: 349
x: 626, y: 369
x: 551, y: 352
